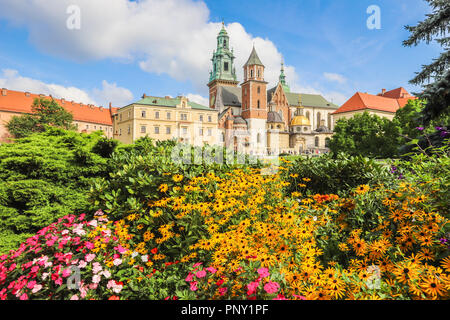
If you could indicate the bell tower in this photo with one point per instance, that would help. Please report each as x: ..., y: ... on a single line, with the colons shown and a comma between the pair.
x: 254, y: 102
x: 223, y: 72
x: 254, y: 89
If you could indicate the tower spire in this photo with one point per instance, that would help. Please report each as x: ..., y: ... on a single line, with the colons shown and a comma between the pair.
x: 283, y: 78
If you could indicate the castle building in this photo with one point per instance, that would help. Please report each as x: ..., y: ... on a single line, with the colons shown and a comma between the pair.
x: 384, y: 104
x: 257, y: 120
x: 166, y: 118
x: 86, y: 117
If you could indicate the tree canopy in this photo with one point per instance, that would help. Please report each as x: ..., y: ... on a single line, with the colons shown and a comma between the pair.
x: 45, y: 113
x: 435, y: 77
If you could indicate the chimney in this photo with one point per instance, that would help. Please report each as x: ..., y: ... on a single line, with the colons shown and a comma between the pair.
x: 144, y: 96
x: 4, y: 91
x: 383, y: 91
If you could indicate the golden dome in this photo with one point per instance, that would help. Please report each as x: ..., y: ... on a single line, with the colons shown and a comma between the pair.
x: 300, y: 121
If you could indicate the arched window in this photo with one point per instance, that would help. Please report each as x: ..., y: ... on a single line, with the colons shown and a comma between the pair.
x: 251, y: 73
x: 259, y: 89
x: 327, y: 142
x: 258, y: 138
x: 258, y: 73
x: 258, y: 103
x: 318, y: 119
x: 225, y: 43
x: 317, y: 142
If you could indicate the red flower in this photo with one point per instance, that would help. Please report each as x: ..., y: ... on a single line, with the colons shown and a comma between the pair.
x: 114, y: 298
x: 154, y: 250
x: 219, y: 283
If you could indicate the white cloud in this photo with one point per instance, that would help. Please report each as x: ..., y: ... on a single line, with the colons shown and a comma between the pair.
x: 334, y: 77
x: 110, y: 92
x: 174, y: 37
x: 162, y: 36
x: 12, y: 80
x: 198, y: 99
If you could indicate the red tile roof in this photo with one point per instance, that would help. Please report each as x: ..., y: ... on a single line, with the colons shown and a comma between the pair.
x: 363, y: 101
x: 17, y: 101
x: 398, y: 93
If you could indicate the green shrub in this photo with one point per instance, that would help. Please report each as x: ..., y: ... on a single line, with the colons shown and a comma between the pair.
x: 338, y: 175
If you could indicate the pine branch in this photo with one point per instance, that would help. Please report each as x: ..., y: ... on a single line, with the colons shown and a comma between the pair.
x: 437, y: 95
x: 433, y: 70
x: 436, y: 24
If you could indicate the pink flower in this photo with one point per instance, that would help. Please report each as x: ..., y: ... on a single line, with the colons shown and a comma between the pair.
x: 36, y: 288
x: 31, y: 284
x: 189, y: 277
x: 24, y: 297
x: 211, y: 269
x: 271, y: 287
x: 82, y: 264
x: 120, y: 249
x: 263, y: 272
x: 280, y: 297
x: 201, y: 274
x: 194, y: 286
x: 74, y: 297
x: 89, y: 257
x: 117, y: 262
x: 12, y: 267
x: 299, y: 297
x: 89, y: 245
x: 106, y: 274
x: 197, y: 264
x: 96, y: 267
x: 252, y: 286
x: 222, y: 291
x: 66, y: 273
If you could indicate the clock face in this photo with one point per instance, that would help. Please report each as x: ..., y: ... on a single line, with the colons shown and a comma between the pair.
x: 212, y: 100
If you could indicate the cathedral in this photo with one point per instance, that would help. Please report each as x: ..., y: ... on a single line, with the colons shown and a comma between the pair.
x: 256, y: 120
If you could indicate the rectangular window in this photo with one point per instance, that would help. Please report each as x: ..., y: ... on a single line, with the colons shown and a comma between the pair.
x: 143, y: 114
x: 225, y: 66
x: 201, y: 118
x: 129, y: 129
x: 143, y: 129
x: 201, y: 132
x: 168, y: 130
x: 129, y: 114
x: 183, y: 117
x: 168, y: 115
x: 87, y: 126
x: 209, y: 119
x: 120, y: 132
x: 157, y: 115
x: 156, y: 130
x: 184, y: 131
x: 120, y: 117
x: 209, y: 132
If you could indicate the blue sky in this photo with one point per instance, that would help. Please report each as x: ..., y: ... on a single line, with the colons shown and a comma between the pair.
x: 163, y: 47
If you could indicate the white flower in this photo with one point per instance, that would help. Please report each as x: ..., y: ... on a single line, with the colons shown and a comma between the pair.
x: 144, y: 258
x: 96, y: 278
x: 134, y: 254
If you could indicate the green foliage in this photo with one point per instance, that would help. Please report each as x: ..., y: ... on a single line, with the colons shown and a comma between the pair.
x: 329, y: 175
x: 45, y: 176
x: 366, y: 135
x: 434, y: 27
x: 139, y: 169
x: 45, y: 113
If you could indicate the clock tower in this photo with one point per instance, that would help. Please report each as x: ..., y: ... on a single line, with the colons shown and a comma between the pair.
x: 223, y: 72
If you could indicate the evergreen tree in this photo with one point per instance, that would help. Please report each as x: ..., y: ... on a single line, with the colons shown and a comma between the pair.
x: 435, y: 27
